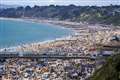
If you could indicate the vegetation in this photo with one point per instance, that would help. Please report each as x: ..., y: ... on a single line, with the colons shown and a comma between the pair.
x: 110, y: 70
x: 91, y: 14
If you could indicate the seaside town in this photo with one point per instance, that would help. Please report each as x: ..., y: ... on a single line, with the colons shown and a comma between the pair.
x: 59, y: 39
x: 87, y: 42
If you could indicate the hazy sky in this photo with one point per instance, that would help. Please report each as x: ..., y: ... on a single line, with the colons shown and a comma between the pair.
x: 60, y: 2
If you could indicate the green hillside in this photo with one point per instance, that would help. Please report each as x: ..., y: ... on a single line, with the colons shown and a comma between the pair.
x: 110, y: 70
x: 90, y: 14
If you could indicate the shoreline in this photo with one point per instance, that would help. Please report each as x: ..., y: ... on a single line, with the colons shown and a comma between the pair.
x: 46, y: 22
x: 82, y: 32
x: 14, y: 48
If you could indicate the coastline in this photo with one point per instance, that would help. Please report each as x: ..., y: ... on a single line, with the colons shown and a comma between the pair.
x: 14, y: 48
x: 61, y: 24
x: 83, y: 35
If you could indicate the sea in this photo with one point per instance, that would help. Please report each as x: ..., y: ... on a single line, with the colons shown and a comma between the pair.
x: 18, y: 32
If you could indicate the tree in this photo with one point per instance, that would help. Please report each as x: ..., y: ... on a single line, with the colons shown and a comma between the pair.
x: 110, y: 70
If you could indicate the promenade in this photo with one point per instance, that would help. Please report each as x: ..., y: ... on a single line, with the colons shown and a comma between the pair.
x: 41, y: 56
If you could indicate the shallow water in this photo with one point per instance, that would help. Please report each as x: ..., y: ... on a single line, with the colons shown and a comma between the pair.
x: 13, y: 33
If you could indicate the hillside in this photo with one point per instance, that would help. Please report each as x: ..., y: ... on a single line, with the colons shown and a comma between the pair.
x: 110, y: 70
x: 90, y: 14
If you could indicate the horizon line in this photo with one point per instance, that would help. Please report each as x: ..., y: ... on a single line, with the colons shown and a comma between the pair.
x: 57, y: 5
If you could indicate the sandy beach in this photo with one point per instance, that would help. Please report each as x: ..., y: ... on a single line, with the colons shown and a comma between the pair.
x: 81, y: 37
x: 14, y: 48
